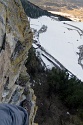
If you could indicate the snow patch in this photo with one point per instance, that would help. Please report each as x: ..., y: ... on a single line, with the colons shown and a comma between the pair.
x: 61, y: 40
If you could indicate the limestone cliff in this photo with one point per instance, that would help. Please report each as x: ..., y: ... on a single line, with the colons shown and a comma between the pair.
x: 15, y: 41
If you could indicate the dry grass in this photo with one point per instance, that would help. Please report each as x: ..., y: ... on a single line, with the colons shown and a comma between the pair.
x: 77, y: 13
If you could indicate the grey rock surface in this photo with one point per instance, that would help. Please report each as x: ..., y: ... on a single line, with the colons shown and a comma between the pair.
x: 15, y: 41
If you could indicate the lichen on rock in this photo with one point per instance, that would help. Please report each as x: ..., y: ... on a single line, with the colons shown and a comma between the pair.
x: 15, y: 41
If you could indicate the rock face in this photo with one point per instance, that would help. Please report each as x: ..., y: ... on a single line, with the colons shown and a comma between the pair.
x: 15, y: 41
x: 80, y: 60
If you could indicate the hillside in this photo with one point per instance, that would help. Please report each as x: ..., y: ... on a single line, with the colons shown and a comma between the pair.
x: 70, y: 4
x: 72, y: 7
x: 62, y: 40
x: 41, y: 53
x: 34, y: 11
x: 55, y: 67
x: 59, y: 96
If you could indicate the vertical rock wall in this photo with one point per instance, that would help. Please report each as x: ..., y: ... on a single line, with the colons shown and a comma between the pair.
x: 15, y: 41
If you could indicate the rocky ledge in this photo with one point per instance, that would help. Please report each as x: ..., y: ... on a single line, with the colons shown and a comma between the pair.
x: 15, y: 41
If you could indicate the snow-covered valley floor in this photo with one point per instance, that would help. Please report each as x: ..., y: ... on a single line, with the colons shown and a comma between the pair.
x: 61, y: 40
